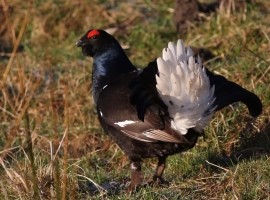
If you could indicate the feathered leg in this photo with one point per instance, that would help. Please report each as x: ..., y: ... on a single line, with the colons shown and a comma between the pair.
x: 157, y: 178
x: 136, y: 175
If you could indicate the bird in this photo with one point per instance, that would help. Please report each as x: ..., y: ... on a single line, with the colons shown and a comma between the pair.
x: 159, y: 110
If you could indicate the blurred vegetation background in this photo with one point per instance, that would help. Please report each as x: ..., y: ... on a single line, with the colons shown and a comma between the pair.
x: 51, y: 144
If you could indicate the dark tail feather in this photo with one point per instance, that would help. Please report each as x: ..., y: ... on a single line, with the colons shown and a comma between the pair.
x: 227, y: 92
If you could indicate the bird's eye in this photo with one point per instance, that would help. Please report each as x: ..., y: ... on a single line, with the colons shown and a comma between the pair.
x: 94, y: 37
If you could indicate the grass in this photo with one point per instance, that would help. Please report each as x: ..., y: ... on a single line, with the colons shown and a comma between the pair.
x: 51, y: 144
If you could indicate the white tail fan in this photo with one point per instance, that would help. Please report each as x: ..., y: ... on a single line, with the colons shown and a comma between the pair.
x: 185, y: 88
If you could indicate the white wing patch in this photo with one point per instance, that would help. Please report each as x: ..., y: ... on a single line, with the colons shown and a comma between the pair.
x: 185, y: 88
x: 124, y: 123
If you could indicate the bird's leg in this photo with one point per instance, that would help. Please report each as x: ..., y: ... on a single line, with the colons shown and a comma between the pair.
x: 157, y: 178
x: 136, y: 175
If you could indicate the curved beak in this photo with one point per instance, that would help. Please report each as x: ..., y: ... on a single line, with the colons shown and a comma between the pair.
x: 79, y: 43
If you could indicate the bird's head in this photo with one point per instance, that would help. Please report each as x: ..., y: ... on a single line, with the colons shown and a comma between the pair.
x: 95, y: 42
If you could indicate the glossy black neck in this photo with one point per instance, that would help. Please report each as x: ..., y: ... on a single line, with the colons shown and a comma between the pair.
x: 108, y: 66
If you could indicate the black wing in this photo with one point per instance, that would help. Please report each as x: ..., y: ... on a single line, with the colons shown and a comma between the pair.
x: 144, y: 92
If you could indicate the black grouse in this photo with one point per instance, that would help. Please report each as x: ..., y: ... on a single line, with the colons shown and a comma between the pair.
x: 159, y: 110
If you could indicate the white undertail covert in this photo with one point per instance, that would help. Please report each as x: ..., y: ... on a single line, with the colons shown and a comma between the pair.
x: 185, y: 88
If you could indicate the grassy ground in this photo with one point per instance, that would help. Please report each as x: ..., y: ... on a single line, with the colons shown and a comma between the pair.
x: 51, y: 144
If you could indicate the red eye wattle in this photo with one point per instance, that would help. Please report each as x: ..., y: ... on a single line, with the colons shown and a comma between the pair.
x: 93, y: 34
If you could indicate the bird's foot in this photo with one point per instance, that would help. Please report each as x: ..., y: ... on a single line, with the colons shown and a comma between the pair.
x: 158, y: 181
